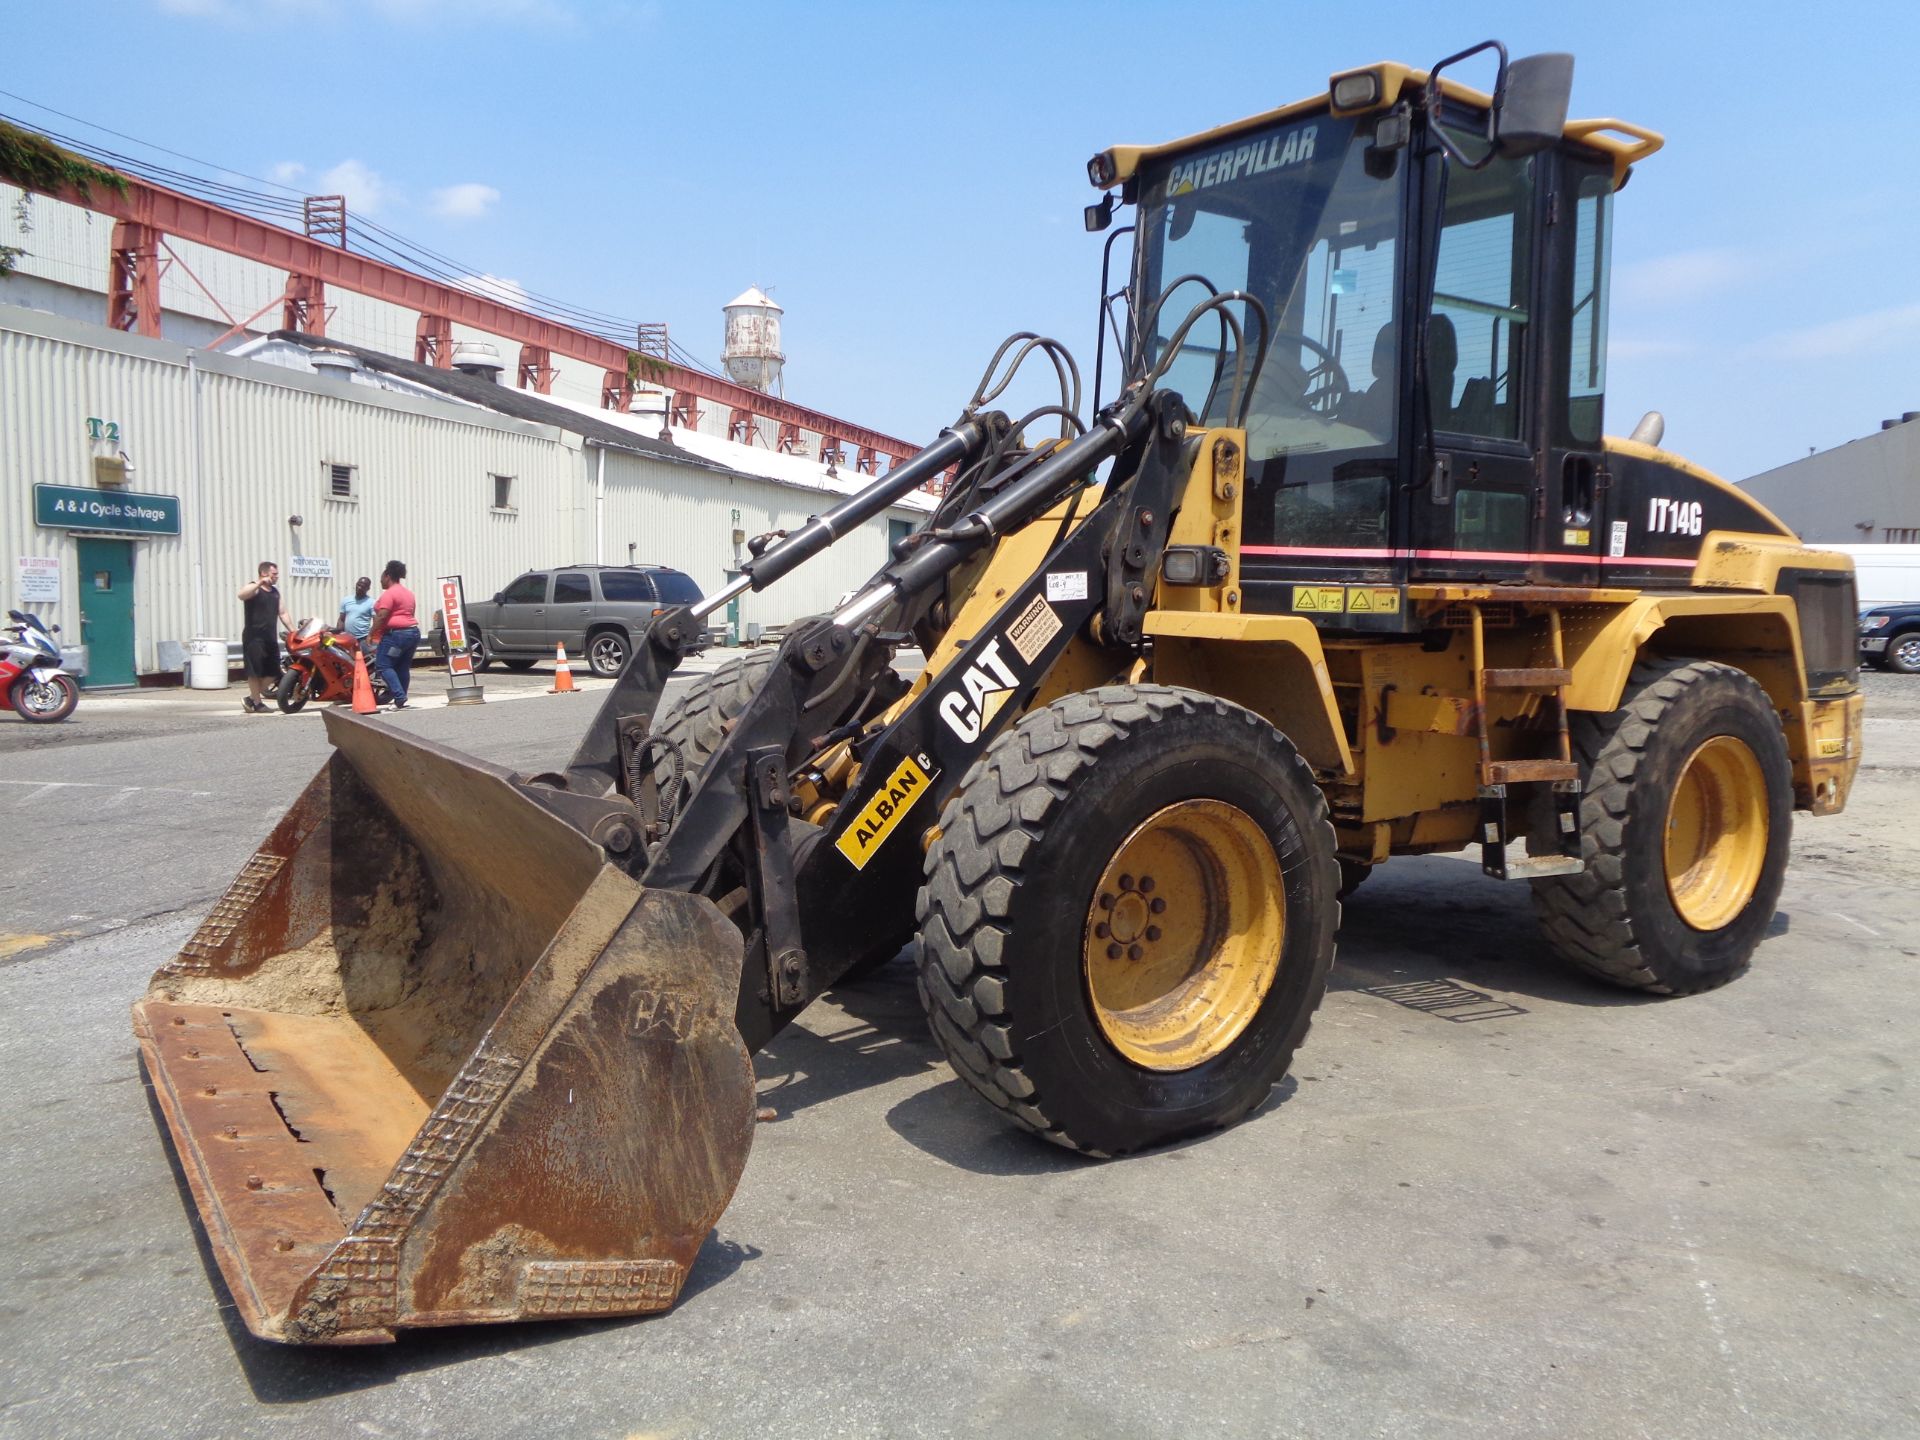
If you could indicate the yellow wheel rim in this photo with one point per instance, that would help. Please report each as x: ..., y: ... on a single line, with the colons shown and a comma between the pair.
x: 1716, y: 836
x: 1183, y: 935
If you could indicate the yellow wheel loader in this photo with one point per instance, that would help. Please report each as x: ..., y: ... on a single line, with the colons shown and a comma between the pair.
x: 1345, y: 570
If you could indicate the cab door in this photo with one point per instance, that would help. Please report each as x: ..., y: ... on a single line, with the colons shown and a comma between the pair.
x: 1580, y: 522
x: 1474, y: 510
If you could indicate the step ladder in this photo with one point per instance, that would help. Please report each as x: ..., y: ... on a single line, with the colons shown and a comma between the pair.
x: 1497, y: 777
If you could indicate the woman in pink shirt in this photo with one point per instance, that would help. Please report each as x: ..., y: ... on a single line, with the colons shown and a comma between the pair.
x: 396, y: 632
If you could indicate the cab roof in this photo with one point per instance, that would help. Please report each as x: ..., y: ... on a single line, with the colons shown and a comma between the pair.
x: 1625, y: 144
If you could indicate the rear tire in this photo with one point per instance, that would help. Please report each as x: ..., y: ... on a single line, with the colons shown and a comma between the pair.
x: 1028, y: 897
x: 607, y: 652
x: 1684, y: 827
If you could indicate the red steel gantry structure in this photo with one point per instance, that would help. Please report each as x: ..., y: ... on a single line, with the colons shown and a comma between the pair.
x: 146, y: 214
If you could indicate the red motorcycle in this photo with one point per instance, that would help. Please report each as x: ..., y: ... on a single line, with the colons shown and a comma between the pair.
x: 320, y: 667
x: 31, y: 680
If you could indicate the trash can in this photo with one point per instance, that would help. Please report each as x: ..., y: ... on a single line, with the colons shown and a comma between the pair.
x: 206, y: 664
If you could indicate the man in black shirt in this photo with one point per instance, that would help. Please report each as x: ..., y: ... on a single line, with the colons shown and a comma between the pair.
x: 260, y: 639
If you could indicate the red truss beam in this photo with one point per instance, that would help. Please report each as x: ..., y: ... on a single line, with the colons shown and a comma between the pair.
x: 167, y: 212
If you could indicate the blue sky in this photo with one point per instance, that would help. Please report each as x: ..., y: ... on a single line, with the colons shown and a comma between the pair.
x: 908, y: 179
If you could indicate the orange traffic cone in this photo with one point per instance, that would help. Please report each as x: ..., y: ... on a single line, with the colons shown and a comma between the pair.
x: 362, y: 686
x: 562, y: 672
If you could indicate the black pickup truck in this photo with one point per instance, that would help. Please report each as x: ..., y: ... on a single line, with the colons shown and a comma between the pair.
x: 1890, y: 637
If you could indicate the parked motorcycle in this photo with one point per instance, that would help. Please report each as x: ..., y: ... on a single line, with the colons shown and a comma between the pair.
x: 319, y: 667
x: 31, y: 680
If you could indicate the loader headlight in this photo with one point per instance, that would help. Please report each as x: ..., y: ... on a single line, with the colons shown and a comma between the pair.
x: 1194, y: 565
x: 1355, y: 91
x: 1102, y: 170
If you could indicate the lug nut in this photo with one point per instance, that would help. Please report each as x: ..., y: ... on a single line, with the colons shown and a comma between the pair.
x: 1146, y: 884
x: 233, y: 1132
x: 1134, y: 952
x: 1113, y: 952
x: 1126, y: 882
x: 254, y: 1182
x: 179, y: 1019
x: 1101, y: 931
x: 1158, y: 906
x: 1153, y: 932
x: 283, y: 1244
x: 211, y: 1090
x: 1106, y: 902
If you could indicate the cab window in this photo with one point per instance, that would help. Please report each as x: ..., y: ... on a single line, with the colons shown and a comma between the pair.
x: 1477, y: 333
x: 1587, y: 336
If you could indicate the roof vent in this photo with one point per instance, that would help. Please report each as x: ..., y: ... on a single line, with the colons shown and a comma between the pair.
x: 478, y: 357
x: 335, y: 364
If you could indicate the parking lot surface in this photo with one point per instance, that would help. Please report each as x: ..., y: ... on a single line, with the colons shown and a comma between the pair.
x: 1493, y: 1198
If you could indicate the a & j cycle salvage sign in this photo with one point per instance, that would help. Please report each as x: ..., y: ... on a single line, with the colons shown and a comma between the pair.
x: 71, y: 507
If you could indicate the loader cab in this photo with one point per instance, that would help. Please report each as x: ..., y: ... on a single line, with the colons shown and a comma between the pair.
x: 1430, y: 403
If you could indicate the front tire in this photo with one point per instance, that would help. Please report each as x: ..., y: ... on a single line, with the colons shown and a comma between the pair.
x: 45, y: 702
x: 1684, y: 827
x: 1902, y: 654
x: 293, y: 691
x: 1128, y: 917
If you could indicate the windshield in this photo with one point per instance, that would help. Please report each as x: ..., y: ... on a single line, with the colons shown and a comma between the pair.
x: 1292, y: 215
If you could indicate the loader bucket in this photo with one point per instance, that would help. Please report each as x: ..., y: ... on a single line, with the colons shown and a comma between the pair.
x: 431, y: 1060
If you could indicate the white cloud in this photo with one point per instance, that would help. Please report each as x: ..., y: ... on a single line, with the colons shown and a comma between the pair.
x: 495, y: 287
x: 286, y: 172
x: 468, y: 201
x: 365, y: 190
x: 1869, y: 334
x: 1685, y: 275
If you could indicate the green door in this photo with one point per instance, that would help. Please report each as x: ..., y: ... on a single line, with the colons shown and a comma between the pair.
x: 733, y: 610
x: 106, y: 610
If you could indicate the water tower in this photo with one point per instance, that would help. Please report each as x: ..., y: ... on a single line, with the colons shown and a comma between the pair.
x: 752, y: 355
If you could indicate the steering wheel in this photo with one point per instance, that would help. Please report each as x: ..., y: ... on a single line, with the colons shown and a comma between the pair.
x: 1326, y: 387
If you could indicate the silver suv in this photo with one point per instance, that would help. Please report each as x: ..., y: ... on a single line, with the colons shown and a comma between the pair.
x: 594, y: 610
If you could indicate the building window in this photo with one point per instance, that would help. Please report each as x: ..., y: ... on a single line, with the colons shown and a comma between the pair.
x: 340, y: 481
x: 1902, y: 537
x: 502, y: 492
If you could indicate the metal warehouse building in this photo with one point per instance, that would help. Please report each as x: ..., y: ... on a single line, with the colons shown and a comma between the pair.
x: 141, y: 480
x: 1866, y: 491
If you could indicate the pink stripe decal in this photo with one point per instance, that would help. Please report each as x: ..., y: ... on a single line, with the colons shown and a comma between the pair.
x: 1316, y: 552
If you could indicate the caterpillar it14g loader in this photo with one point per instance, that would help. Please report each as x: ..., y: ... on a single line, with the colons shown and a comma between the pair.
x: 1346, y: 571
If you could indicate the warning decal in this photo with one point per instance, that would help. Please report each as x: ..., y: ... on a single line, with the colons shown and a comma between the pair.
x: 1032, y: 628
x: 1319, y: 599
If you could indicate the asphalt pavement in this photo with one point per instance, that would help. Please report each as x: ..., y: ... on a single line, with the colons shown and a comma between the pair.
x: 1492, y: 1199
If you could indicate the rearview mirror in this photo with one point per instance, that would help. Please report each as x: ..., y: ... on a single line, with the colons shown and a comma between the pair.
x: 1531, y: 110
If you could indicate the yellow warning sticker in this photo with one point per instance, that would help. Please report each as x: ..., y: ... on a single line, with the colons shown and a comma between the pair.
x: 1577, y: 538
x: 1319, y: 599
x: 882, y: 813
x: 1832, y: 747
x: 1373, y: 600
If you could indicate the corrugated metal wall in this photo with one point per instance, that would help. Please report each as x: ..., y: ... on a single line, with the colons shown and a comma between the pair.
x: 686, y: 518
x: 245, y: 445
